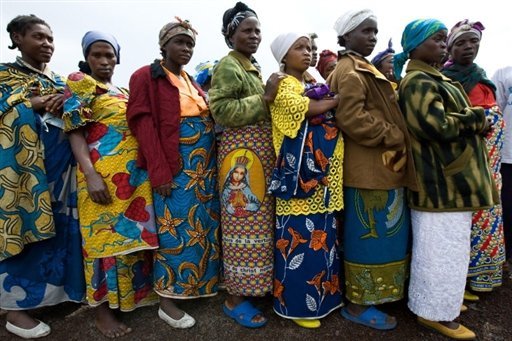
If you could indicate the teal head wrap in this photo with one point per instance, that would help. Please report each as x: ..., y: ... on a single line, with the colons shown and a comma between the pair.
x: 415, y: 33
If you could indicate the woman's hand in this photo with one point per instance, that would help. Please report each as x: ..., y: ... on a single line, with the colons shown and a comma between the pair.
x: 272, y: 86
x: 164, y: 190
x: 49, y: 103
x: 97, y: 188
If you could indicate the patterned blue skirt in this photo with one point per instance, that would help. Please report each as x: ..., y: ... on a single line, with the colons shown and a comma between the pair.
x: 307, y: 266
x: 187, y: 261
x: 51, y: 271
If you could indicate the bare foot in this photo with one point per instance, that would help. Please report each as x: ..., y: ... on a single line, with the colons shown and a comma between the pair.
x: 21, y: 319
x: 233, y: 301
x: 168, y: 306
x: 108, y: 324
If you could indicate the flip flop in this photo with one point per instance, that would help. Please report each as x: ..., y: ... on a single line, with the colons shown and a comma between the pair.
x: 243, y: 314
x: 371, y: 317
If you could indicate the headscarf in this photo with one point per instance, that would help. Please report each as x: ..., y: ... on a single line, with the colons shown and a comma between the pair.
x: 351, y: 19
x: 326, y: 56
x: 379, y: 58
x: 204, y: 72
x: 175, y: 28
x: 232, y: 19
x: 415, y: 33
x: 93, y: 36
x: 464, y: 26
x: 282, y: 44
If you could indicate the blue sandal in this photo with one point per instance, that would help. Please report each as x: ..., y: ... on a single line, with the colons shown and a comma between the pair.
x: 371, y: 317
x: 243, y: 314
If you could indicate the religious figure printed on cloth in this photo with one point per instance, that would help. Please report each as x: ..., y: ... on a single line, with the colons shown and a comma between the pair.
x: 240, y: 197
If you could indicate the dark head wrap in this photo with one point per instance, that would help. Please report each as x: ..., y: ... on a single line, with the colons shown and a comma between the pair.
x: 232, y: 19
x: 379, y: 58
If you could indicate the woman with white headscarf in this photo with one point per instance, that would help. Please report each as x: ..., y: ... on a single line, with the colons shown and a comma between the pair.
x: 306, y: 268
x: 376, y: 171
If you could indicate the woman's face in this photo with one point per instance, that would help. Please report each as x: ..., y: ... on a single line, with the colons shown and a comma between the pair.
x: 298, y: 57
x: 36, y: 45
x: 247, y: 37
x: 433, y: 50
x: 238, y: 174
x: 178, y: 51
x: 465, y: 48
x: 386, y: 67
x: 363, y: 38
x: 102, y: 61
x: 329, y: 68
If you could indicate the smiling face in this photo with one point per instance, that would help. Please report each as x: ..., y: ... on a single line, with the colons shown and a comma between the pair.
x: 102, y: 61
x: 178, y: 51
x: 433, y: 50
x: 363, y: 38
x: 36, y: 45
x: 247, y: 37
x: 465, y: 48
x: 298, y: 57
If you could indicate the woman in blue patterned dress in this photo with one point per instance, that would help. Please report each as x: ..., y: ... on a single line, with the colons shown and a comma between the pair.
x: 41, y: 261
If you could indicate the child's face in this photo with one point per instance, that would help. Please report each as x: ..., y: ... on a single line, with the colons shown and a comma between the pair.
x: 238, y: 174
x: 298, y: 56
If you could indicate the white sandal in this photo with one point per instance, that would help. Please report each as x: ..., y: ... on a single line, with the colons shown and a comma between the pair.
x: 186, y: 321
x: 41, y: 330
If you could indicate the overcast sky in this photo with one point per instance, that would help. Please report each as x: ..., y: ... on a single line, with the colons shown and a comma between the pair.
x: 136, y: 25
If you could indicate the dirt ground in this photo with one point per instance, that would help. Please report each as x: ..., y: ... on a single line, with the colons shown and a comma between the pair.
x: 490, y: 318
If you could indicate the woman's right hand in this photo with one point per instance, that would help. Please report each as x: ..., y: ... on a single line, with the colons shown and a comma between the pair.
x: 272, y: 86
x: 49, y: 103
x: 97, y: 188
x: 164, y: 190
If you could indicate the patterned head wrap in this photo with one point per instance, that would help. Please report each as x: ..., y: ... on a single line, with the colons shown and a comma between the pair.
x: 93, y: 36
x: 204, y: 72
x: 232, y: 19
x: 415, y: 33
x: 326, y: 56
x: 350, y: 20
x: 282, y: 44
x: 464, y: 26
x: 175, y: 28
x: 379, y: 58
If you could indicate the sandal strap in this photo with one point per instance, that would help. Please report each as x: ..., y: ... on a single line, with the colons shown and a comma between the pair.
x: 246, y: 309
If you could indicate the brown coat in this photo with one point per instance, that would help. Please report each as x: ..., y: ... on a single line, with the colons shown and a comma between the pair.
x: 373, y: 127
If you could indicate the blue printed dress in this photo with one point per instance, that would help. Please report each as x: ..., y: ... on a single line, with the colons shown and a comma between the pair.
x: 41, y: 262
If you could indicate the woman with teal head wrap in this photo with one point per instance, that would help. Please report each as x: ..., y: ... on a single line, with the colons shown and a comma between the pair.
x: 450, y: 159
x: 415, y: 33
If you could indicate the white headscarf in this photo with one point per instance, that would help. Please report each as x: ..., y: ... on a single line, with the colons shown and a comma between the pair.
x: 351, y: 19
x: 282, y: 44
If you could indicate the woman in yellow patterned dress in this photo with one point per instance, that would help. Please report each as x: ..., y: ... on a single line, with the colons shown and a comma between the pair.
x: 114, y: 196
x: 307, y: 265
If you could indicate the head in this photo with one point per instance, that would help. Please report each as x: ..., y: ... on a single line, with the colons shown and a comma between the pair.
x: 292, y: 51
x: 327, y: 63
x: 383, y: 61
x: 33, y: 37
x: 241, y: 29
x: 464, y: 41
x: 432, y: 32
x: 238, y: 173
x: 177, y: 40
x: 357, y: 31
x: 101, y: 52
x: 314, y: 49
